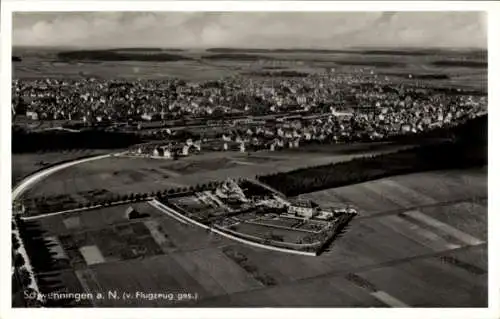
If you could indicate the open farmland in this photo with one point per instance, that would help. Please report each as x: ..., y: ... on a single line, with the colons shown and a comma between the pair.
x: 433, y: 189
x: 405, y: 229
x: 125, y: 175
x: 199, y: 65
x: 25, y: 164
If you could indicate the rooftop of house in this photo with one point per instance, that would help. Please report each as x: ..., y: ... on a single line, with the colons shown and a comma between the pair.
x: 303, y: 203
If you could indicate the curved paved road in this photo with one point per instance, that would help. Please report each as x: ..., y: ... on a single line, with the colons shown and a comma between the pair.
x: 24, y: 185
x: 29, y: 181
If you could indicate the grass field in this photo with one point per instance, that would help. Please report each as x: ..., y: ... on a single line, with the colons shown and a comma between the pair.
x: 25, y: 164
x: 92, y: 219
x: 289, y: 236
x: 190, y: 203
x: 279, y: 221
x: 125, y: 175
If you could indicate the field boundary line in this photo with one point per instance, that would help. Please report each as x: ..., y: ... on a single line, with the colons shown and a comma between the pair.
x: 165, y: 209
x: 388, y: 299
x: 406, y: 209
x: 421, y: 235
x: 360, y: 269
x: 450, y: 230
x: 76, y: 210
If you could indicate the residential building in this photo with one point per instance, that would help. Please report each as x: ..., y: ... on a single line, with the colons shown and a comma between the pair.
x: 303, y: 208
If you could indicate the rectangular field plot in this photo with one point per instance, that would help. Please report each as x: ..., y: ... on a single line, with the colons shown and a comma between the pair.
x: 278, y: 221
x: 160, y: 274
x: 292, y: 224
x: 261, y: 231
x: 255, y: 159
x: 440, y: 186
x: 363, y: 197
x: 93, y: 218
x: 92, y: 255
x: 404, y: 195
x: 189, y: 237
x: 471, y: 218
x: 381, y: 195
x: 160, y: 236
x: 427, y: 237
x: 226, y: 276
x: 476, y: 256
x: 191, y: 166
x: 326, y: 199
x: 320, y: 292
x: 72, y: 222
x: 431, y: 282
x: 121, y: 242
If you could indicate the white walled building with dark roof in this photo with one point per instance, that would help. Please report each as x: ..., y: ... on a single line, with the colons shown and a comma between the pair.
x: 304, y: 208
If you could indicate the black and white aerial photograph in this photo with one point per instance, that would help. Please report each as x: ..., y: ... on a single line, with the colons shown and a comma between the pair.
x: 248, y: 159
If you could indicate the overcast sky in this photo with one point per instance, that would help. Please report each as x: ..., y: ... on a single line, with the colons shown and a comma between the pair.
x: 256, y: 29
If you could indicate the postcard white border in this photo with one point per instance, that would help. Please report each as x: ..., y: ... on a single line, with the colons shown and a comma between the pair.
x: 493, y: 10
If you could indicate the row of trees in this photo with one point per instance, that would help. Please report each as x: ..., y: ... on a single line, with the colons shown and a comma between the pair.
x: 22, y: 278
x: 110, y: 55
x: 45, y: 266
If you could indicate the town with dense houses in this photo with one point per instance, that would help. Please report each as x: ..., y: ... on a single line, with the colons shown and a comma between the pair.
x: 331, y: 106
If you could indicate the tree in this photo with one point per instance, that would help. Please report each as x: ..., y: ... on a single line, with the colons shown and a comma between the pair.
x: 15, y: 242
x: 18, y: 260
x: 25, y: 276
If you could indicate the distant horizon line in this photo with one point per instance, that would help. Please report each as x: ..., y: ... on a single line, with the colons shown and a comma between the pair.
x: 255, y: 48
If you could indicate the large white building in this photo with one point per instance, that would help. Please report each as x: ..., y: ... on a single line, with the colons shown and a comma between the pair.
x: 303, y: 208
